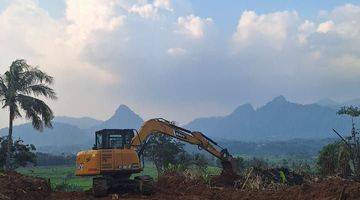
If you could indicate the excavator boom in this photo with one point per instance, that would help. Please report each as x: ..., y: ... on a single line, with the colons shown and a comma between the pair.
x: 162, y: 126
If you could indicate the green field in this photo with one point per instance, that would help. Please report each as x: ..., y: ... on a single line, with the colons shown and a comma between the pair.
x: 58, y: 175
x: 66, y: 174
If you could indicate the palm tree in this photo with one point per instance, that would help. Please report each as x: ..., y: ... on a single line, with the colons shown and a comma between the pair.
x: 18, y: 88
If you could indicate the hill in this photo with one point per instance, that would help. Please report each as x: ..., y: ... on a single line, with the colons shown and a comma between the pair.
x: 80, y: 122
x: 61, y: 134
x: 123, y: 117
x: 279, y: 119
x: 336, y: 105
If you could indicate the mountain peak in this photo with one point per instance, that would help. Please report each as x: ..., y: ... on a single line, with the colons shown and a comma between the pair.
x: 245, y: 108
x: 280, y: 98
x: 123, y: 109
x: 123, y: 117
x: 277, y: 101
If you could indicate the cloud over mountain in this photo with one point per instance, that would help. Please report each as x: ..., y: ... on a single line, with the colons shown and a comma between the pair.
x: 165, y: 57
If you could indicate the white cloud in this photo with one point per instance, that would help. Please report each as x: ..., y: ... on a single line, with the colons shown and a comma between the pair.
x: 164, y: 4
x: 193, y: 26
x: 346, y: 20
x: 325, y: 27
x: 305, y: 29
x: 177, y: 51
x: 272, y: 28
x: 28, y: 32
x: 146, y: 11
x: 93, y: 15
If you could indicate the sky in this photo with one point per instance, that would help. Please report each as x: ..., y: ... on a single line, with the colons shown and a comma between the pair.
x: 183, y: 59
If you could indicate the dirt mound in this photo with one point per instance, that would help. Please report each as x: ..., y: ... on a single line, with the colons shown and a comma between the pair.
x: 17, y: 186
x: 179, y: 184
x: 332, y: 188
x: 178, y: 187
x: 259, y: 179
x: 227, y: 180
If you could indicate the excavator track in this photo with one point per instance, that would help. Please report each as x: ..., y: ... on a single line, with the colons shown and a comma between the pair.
x: 100, y: 187
x: 145, y: 184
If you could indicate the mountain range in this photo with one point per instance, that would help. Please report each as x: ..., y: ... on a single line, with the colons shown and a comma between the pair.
x: 336, y: 105
x: 277, y: 120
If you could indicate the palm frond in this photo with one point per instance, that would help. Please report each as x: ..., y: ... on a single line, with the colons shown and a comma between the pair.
x: 36, y: 110
x: 40, y: 89
x: 3, y: 87
x: 34, y: 75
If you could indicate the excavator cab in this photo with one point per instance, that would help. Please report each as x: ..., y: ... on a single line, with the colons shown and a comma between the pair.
x: 111, y: 154
x: 113, y: 138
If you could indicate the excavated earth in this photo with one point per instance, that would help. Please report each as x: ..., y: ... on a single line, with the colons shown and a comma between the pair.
x: 16, y: 186
x: 175, y: 186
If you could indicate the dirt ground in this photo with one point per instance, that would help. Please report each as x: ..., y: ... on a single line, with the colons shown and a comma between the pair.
x: 17, y: 186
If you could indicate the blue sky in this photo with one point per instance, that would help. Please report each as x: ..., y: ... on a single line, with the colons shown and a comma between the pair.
x: 183, y: 59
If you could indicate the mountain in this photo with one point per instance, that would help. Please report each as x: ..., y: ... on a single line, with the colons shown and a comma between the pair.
x: 306, y: 148
x: 335, y: 105
x: 60, y: 135
x: 328, y: 103
x: 123, y: 117
x: 70, y: 134
x: 80, y: 122
x: 279, y: 119
x: 354, y: 102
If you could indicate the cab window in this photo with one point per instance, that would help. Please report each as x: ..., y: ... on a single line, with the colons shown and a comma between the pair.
x: 116, y: 141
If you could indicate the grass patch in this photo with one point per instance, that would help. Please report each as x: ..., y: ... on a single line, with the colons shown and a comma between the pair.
x: 65, y: 176
x: 58, y: 175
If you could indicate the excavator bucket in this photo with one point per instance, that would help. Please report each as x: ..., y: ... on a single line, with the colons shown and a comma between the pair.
x: 229, y: 166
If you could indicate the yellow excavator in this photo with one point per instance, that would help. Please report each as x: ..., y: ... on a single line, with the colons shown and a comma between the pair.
x: 116, y: 155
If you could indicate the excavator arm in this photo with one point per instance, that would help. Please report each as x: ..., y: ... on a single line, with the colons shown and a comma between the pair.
x: 162, y: 126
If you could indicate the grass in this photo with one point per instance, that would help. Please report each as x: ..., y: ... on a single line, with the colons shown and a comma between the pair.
x: 58, y: 175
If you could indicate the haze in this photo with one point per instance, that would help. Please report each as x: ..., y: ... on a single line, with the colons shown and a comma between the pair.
x: 183, y: 59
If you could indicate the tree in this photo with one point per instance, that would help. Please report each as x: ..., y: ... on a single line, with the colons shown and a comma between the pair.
x: 349, y: 110
x: 327, y: 162
x: 163, y: 150
x: 22, y: 153
x: 200, y: 161
x: 19, y: 87
x: 352, y: 149
x: 344, y: 160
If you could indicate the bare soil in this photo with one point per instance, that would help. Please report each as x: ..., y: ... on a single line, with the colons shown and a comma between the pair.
x: 177, y: 186
x: 16, y: 186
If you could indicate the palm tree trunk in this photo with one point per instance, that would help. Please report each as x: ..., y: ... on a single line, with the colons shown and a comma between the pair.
x: 9, y: 140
